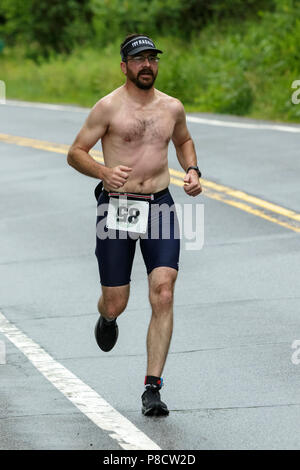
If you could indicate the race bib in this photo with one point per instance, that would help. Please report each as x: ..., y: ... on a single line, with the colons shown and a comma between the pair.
x: 128, y: 215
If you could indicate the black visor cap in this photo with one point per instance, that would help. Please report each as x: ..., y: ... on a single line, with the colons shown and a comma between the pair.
x: 137, y: 45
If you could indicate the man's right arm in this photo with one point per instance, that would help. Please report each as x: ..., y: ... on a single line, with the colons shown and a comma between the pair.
x: 93, y: 130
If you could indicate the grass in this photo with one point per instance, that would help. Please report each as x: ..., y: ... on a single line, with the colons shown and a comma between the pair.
x: 244, y: 69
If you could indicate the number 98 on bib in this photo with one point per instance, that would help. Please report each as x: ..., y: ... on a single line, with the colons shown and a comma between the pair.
x: 127, y: 215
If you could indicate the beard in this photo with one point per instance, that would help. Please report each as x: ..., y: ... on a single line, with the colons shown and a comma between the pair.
x: 142, y: 83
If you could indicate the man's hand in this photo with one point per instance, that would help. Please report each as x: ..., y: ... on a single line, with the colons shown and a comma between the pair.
x: 115, y: 178
x: 192, y: 184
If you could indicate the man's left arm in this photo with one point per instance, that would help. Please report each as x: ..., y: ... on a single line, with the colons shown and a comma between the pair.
x: 186, y: 154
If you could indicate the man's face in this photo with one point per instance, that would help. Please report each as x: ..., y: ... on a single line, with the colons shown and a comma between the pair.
x: 142, y: 69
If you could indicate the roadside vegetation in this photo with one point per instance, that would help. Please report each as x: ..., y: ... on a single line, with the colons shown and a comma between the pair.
x: 234, y: 57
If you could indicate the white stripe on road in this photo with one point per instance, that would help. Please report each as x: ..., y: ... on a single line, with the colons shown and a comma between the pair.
x: 50, y: 106
x: 242, y: 125
x: 190, y: 118
x: 89, y: 402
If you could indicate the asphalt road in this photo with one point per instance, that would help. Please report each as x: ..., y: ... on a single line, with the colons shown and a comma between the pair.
x: 230, y: 381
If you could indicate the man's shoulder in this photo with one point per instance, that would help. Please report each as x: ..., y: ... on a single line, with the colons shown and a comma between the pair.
x: 174, y: 104
x: 108, y: 101
x: 106, y: 105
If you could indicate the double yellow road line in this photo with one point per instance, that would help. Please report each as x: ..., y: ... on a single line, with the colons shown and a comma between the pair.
x: 239, y: 199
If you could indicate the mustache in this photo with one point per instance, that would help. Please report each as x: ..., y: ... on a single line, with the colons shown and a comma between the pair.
x: 145, y: 71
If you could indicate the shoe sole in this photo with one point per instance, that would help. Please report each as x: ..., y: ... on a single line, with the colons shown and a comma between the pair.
x: 155, y: 411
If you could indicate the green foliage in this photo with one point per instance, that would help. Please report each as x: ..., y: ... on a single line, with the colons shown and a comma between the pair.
x: 230, y: 66
x: 58, y: 25
x: 209, y: 79
x: 61, y: 25
x: 112, y: 18
x: 15, y: 20
x: 81, y: 78
x: 45, y: 26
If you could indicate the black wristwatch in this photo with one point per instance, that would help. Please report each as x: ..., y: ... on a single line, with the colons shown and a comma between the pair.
x: 194, y: 168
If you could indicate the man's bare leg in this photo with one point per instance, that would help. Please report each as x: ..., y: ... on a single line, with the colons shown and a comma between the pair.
x: 161, y: 289
x: 110, y: 305
x: 113, y: 301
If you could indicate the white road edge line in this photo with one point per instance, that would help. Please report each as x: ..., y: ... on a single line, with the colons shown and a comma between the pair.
x: 190, y: 118
x: 50, y: 106
x: 243, y: 125
x: 89, y: 402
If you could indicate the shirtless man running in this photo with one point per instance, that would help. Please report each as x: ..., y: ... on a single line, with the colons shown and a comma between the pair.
x: 135, y: 124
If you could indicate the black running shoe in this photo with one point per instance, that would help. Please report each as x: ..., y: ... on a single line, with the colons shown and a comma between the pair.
x: 106, y: 333
x: 152, y: 404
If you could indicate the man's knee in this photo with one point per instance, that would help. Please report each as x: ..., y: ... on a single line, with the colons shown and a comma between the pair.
x: 161, y: 287
x: 113, y: 308
x: 113, y: 302
x: 161, y: 294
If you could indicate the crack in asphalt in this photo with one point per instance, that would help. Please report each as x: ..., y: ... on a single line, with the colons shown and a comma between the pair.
x: 202, y: 304
x: 38, y: 415
x: 117, y: 356
x: 175, y: 410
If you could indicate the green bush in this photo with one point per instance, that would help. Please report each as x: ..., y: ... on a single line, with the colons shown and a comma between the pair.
x: 45, y: 26
x: 61, y: 25
x: 112, y: 18
x: 230, y: 66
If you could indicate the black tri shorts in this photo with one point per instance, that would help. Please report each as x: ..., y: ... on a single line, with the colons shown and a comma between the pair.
x: 115, y: 249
